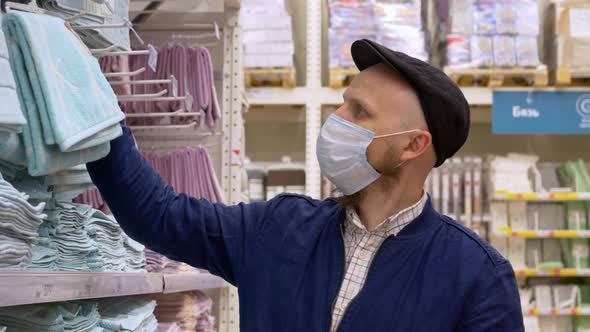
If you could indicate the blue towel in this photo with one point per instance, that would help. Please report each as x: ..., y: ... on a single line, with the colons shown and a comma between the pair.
x: 77, y: 107
x: 71, y: 111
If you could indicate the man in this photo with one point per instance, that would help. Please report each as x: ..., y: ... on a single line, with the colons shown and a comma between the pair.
x: 380, y: 259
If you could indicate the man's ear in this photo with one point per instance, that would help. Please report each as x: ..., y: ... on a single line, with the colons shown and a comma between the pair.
x: 417, y: 145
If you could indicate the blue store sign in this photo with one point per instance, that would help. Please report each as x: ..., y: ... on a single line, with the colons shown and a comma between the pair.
x: 541, y: 112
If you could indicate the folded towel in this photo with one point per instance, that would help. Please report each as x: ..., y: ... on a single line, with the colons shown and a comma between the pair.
x: 60, y: 104
x: 94, y: 13
x: 76, y: 105
x: 11, y: 117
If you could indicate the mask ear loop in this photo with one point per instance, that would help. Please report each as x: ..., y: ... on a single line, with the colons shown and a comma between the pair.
x: 396, y: 134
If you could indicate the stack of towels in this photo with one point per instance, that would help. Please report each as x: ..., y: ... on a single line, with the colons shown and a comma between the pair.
x: 127, y: 314
x: 71, y: 111
x: 135, y: 251
x: 58, y: 317
x: 76, y: 250
x: 191, y: 311
x: 95, y: 13
x: 76, y: 237
x: 19, y: 222
x: 108, y: 236
x: 11, y: 117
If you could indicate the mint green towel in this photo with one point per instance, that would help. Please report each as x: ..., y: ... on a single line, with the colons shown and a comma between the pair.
x: 71, y: 110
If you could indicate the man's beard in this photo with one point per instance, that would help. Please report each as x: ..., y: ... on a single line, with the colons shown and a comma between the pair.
x: 392, y: 173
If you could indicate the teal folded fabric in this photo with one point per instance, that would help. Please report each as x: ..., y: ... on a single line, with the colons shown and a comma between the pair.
x: 71, y: 110
x: 127, y: 314
x: 75, y: 101
x: 78, y: 316
x: 11, y: 117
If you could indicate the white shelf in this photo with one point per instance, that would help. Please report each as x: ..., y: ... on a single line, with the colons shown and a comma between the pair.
x: 182, y: 282
x: 329, y: 96
x: 24, y: 287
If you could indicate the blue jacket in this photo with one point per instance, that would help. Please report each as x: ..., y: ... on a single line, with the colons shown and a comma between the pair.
x: 286, y: 256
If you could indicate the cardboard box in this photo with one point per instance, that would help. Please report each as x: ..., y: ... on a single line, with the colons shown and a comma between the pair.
x: 572, y: 18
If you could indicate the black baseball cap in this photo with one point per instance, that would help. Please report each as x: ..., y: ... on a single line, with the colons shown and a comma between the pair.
x: 445, y: 108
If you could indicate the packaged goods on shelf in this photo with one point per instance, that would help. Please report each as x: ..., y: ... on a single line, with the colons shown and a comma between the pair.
x: 493, y: 34
x: 570, y: 39
x: 267, y: 34
x: 270, y: 180
x: 395, y: 24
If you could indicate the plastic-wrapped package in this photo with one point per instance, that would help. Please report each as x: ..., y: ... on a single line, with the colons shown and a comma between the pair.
x: 528, y: 18
x: 504, y: 51
x: 407, y: 13
x: 396, y: 24
x: 484, y: 20
x: 267, y: 34
x: 352, y: 15
x: 481, y: 51
x: 506, y: 18
x: 458, y: 50
x: 527, y: 51
x: 461, y: 17
x: 340, y: 41
x: 401, y: 38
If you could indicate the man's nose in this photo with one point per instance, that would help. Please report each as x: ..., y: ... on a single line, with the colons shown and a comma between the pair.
x: 344, y: 112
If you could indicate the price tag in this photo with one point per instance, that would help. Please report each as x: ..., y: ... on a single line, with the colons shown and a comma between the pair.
x: 152, y: 57
x: 217, y: 35
x: 174, y: 86
x: 189, y: 102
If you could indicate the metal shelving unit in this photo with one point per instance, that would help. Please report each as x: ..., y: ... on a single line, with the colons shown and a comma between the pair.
x: 30, y: 287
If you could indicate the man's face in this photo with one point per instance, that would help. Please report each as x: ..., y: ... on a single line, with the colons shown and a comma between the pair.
x: 379, y: 100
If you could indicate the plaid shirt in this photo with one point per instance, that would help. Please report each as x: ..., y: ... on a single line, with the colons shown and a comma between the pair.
x: 360, y: 247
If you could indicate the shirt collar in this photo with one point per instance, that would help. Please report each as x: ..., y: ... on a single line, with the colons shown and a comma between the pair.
x: 392, y: 225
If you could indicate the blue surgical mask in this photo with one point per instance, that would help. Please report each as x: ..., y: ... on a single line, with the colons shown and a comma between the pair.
x: 342, y: 154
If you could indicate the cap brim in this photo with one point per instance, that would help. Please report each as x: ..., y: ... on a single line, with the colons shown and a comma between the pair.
x: 365, y: 55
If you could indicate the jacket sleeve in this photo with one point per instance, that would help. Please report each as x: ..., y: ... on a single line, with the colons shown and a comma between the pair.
x: 493, y: 303
x: 205, y: 235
